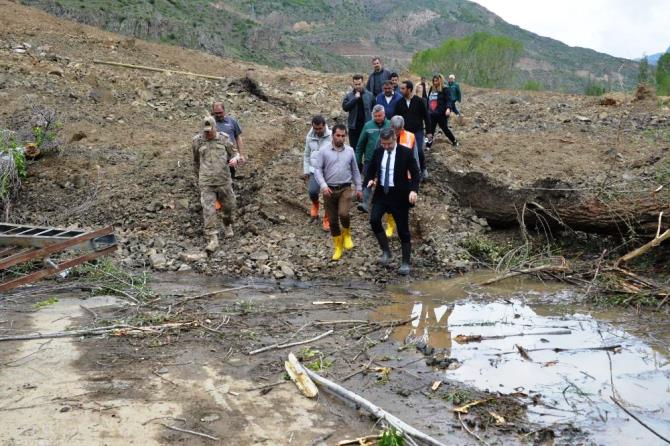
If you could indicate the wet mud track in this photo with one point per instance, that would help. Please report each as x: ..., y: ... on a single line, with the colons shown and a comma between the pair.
x: 134, y: 389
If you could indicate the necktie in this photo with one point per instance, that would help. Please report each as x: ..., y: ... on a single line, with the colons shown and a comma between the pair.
x: 386, y: 173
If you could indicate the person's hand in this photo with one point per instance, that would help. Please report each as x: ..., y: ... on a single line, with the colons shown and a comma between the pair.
x: 429, y: 136
x: 357, y: 94
x: 447, y: 113
x: 412, y: 197
x: 233, y: 162
x: 241, y: 160
x: 359, y: 195
x: 305, y: 176
x: 327, y: 192
x: 371, y: 184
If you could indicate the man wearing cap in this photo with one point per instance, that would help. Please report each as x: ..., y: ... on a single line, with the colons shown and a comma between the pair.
x: 213, y: 154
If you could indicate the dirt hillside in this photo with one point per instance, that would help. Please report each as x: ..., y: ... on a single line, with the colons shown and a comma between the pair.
x: 126, y: 161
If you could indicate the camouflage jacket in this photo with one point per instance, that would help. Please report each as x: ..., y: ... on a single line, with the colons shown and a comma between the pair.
x: 210, y: 159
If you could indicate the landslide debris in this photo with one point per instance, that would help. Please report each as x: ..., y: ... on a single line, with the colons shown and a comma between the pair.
x: 127, y: 161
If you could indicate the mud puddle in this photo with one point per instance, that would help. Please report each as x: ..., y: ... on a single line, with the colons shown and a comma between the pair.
x: 598, y: 356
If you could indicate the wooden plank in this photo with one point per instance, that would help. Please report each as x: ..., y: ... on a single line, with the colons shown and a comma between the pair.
x: 299, y: 377
x: 46, y: 251
x: 6, y: 286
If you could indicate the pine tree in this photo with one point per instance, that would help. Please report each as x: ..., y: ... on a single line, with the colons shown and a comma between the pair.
x: 644, y: 74
x: 663, y: 75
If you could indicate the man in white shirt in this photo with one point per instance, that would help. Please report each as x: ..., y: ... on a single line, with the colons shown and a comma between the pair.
x: 396, y: 176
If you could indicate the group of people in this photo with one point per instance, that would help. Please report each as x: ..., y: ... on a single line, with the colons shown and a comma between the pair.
x: 389, y: 124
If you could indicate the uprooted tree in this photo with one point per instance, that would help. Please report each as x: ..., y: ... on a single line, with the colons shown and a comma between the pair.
x: 552, y: 203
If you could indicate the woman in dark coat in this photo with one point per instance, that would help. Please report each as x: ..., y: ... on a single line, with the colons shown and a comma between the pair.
x: 440, y: 106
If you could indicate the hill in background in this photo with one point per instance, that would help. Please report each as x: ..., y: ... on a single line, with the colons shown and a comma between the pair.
x: 342, y: 35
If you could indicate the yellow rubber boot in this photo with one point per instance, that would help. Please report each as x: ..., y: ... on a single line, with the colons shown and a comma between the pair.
x: 390, y: 225
x: 337, y: 248
x: 346, y: 239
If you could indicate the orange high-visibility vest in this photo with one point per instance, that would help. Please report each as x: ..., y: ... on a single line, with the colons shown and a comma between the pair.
x: 407, y: 139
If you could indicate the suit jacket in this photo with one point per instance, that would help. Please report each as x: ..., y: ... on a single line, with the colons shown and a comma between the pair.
x: 404, y: 165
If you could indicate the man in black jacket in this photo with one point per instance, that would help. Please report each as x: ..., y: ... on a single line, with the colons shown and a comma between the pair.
x: 415, y: 112
x: 358, y: 103
x: 378, y: 76
x: 394, y: 172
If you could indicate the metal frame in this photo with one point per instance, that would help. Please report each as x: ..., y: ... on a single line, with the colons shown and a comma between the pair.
x: 20, y: 244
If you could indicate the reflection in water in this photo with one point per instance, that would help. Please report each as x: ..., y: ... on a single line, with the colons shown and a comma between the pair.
x: 573, y: 386
x: 429, y: 324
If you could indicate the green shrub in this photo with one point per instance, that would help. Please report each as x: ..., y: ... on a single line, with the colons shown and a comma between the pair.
x: 594, y: 89
x: 391, y: 437
x: 12, y: 168
x: 532, y: 85
x: 481, y: 248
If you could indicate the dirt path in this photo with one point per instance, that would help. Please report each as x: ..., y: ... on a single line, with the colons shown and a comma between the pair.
x: 52, y: 396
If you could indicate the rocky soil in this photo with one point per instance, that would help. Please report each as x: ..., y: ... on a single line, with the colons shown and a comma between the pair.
x: 125, y: 158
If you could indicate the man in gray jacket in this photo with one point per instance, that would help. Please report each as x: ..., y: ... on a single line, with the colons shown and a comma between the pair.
x: 378, y: 76
x: 317, y: 138
x: 358, y: 103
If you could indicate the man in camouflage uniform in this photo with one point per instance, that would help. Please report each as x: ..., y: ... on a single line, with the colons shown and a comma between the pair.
x: 213, y: 154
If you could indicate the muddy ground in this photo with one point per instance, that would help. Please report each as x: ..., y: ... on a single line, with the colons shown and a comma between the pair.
x: 123, y: 389
x: 124, y: 161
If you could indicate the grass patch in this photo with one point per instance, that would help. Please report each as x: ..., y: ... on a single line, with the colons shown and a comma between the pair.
x: 482, y: 248
x: 391, y: 437
x: 459, y: 397
x: 314, y: 360
x: 45, y: 303
x: 110, y: 278
x: 532, y: 85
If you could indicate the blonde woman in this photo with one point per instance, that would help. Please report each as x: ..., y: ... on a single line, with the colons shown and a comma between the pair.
x: 440, y: 107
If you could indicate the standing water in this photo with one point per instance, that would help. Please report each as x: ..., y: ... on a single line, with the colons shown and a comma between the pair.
x: 568, y: 364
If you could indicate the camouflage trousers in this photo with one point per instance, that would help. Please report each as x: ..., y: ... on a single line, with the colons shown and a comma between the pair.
x: 208, y: 196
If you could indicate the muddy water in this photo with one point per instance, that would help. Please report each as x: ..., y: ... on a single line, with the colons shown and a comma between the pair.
x: 572, y: 386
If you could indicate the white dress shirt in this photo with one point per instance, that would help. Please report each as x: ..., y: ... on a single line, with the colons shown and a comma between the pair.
x: 382, y: 172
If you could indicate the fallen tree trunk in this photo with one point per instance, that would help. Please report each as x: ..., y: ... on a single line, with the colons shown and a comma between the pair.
x: 556, y: 204
x: 377, y: 411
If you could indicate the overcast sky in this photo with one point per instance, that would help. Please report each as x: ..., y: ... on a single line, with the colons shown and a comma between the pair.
x: 622, y: 28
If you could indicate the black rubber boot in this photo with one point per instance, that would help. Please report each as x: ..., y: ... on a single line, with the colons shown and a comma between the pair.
x: 384, y: 245
x: 406, y: 259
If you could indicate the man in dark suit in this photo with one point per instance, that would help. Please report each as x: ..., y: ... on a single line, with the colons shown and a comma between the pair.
x: 395, y: 173
x: 415, y: 113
